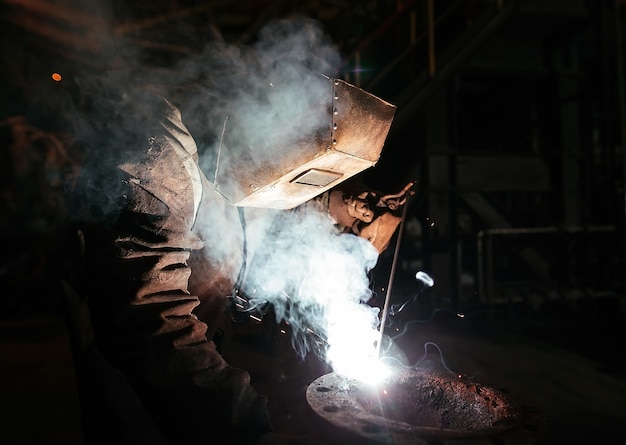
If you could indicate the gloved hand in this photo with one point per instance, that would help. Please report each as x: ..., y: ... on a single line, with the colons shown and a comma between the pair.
x: 369, y: 213
x: 388, y: 210
x: 394, y: 203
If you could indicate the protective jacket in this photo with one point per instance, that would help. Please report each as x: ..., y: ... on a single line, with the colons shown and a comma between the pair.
x: 141, y: 245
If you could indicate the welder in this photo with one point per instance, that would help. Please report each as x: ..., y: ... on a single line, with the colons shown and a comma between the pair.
x: 154, y: 297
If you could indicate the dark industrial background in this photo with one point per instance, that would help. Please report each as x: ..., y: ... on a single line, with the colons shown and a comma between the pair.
x: 511, y: 118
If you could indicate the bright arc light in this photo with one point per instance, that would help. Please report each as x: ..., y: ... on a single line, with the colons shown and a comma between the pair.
x: 370, y: 370
x: 352, y: 349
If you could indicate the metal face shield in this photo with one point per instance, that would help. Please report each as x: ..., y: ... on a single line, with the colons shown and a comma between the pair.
x: 343, y: 132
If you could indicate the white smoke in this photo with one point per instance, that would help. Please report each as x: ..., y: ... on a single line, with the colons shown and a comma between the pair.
x: 265, y: 98
x: 255, y: 102
x: 316, y: 280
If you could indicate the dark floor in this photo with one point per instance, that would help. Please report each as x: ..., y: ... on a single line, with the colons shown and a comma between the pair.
x: 571, y: 372
x: 38, y: 394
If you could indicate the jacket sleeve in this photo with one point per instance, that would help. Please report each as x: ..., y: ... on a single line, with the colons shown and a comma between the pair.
x: 142, y: 309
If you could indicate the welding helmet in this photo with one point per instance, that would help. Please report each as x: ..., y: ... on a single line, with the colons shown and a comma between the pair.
x: 294, y: 147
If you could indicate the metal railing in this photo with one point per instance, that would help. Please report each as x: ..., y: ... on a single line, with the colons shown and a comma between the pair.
x: 484, y: 250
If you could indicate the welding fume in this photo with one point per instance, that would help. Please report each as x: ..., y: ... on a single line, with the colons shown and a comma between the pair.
x: 240, y: 174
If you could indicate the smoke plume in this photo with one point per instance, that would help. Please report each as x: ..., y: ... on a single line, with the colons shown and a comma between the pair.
x: 248, y: 102
x: 266, y: 98
x: 316, y: 279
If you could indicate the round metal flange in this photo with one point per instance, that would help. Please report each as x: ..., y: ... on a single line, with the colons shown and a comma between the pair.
x: 422, y: 407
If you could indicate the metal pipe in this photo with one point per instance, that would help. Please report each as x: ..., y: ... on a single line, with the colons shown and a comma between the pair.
x: 620, y: 16
x: 431, y: 38
x: 548, y: 229
x: 480, y: 265
x: 170, y: 16
x: 394, y: 263
x: 413, y: 28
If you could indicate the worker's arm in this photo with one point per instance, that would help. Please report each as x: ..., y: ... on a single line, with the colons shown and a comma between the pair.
x: 142, y: 308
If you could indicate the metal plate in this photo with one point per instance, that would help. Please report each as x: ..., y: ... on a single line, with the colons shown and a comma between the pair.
x: 416, y: 406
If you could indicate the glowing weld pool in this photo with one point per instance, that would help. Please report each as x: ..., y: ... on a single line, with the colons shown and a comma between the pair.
x: 414, y: 407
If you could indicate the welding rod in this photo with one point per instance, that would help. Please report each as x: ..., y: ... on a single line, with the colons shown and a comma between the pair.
x: 383, y: 319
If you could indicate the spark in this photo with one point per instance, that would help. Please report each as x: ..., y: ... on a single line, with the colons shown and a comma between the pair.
x: 367, y: 370
x: 56, y: 77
